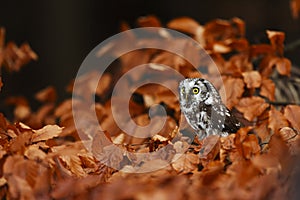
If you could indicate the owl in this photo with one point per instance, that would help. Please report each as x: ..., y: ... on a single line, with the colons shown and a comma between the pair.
x: 202, y: 106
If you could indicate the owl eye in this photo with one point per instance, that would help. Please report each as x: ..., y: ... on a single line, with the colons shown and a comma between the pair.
x: 195, y: 90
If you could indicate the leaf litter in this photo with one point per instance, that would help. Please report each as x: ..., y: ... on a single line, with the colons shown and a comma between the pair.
x: 43, y: 157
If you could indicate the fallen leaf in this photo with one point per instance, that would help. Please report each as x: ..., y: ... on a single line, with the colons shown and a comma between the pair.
x: 267, y: 89
x: 252, y: 79
x: 148, y: 21
x: 276, y: 120
x: 47, y: 132
x: 292, y: 114
x: 295, y: 8
x: 252, y: 107
x: 277, y: 38
x: 288, y: 134
x: 210, y: 149
x: 234, y: 89
x: 185, y: 163
x: 186, y: 25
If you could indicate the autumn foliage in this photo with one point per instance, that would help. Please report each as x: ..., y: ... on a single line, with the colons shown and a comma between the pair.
x: 43, y: 157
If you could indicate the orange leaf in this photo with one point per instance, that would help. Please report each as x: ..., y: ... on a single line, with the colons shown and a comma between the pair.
x: 260, y: 49
x: 210, y: 149
x: 185, y: 163
x: 45, y: 133
x: 252, y: 107
x: 292, y: 113
x: 283, y: 66
x: 234, y: 89
x: 250, y: 146
x: 295, y: 8
x: 277, y: 38
x: 148, y: 21
x: 221, y: 30
x: 276, y: 120
x: 186, y: 25
x: 262, y: 131
x: 252, y: 79
x: 47, y: 95
x: 280, y: 150
x: 16, y: 57
x: 267, y: 89
x: 288, y: 134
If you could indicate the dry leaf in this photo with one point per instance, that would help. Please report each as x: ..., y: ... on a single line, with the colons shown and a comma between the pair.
x: 276, y: 120
x: 252, y: 79
x: 267, y: 89
x: 148, y: 21
x: 210, y: 149
x: 234, y: 89
x: 185, y: 163
x: 277, y: 38
x: 295, y: 8
x: 186, y: 25
x: 292, y: 114
x: 252, y: 107
x: 47, y: 95
x: 46, y: 133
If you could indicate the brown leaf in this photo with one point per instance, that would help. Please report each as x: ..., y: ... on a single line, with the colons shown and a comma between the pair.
x: 277, y: 38
x: 262, y: 131
x: 266, y: 162
x: 234, y: 89
x: 288, y: 134
x: 169, y: 59
x: 221, y: 30
x: 33, y: 152
x: 104, y: 84
x: 267, y: 89
x: 292, y: 114
x: 251, y: 146
x: 112, y: 156
x: 16, y: 57
x: 22, y: 112
x: 252, y: 79
x: 280, y: 150
x: 284, y: 66
x: 148, y: 21
x: 218, y: 47
x: 252, y: 107
x: 237, y: 64
x: 210, y: 149
x: 47, y: 132
x: 186, y: 25
x: 185, y: 163
x: 295, y: 8
x: 47, y: 95
x: 260, y: 50
x: 276, y: 120
x: 19, y: 143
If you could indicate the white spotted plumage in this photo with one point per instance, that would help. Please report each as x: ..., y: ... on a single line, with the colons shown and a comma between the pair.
x: 202, y: 106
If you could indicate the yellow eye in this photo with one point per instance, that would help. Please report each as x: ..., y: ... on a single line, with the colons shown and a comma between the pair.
x: 195, y: 90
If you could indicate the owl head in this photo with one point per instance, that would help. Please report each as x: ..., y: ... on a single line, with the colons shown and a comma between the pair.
x: 197, y: 90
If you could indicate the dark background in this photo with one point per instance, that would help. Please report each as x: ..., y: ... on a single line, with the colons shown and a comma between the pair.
x: 63, y: 32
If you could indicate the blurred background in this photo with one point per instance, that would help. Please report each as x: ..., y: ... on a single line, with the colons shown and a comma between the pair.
x: 62, y: 33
